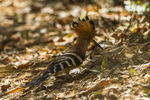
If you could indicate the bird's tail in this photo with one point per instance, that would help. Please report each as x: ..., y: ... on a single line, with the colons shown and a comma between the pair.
x: 40, y: 79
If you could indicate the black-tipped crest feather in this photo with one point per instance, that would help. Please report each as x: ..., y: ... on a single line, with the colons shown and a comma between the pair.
x: 79, y: 19
x: 73, y: 24
x: 83, y: 19
x: 87, y: 18
x: 92, y: 22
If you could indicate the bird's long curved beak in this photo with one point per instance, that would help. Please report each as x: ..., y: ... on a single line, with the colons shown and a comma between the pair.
x: 97, y: 44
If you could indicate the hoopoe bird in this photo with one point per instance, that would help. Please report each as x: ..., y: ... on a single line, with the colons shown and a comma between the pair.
x: 74, y: 55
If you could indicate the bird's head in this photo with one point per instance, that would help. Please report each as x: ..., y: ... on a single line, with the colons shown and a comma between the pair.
x: 84, y: 28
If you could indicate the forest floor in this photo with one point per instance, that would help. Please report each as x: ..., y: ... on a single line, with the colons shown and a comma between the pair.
x: 32, y: 32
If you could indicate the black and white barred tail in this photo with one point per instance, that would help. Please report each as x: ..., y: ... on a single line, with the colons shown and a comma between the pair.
x: 65, y: 60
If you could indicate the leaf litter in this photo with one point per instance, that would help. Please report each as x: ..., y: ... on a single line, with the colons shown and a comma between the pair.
x: 34, y: 32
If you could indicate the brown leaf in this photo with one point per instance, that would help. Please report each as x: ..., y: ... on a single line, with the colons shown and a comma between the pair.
x: 44, y: 50
x: 5, y: 87
x: 61, y: 39
x: 92, y: 8
x: 16, y: 90
x: 69, y: 35
x: 61, y: 47
x: 29, y: 51
x: 21, y: 65
x: 72, y: 93
x: 99, y: 85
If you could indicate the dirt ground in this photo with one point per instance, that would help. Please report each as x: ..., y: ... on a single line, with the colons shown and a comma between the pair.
x: 33, y: 32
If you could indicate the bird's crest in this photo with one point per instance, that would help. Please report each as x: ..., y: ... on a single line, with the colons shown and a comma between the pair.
x: 84, y: 26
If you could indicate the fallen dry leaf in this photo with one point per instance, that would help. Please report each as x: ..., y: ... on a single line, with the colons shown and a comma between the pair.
x: 61, y: 48
x: 99, y: 85
x: 16, y: 90
x: 72, y: 93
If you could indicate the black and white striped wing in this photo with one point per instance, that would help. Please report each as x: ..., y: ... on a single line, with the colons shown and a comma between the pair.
x: 61, y: 62
x: 65, y: 60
